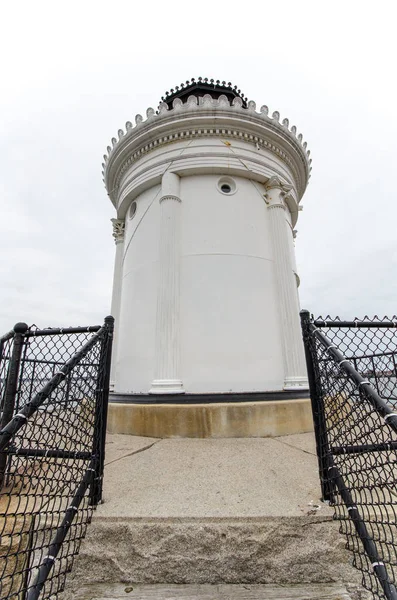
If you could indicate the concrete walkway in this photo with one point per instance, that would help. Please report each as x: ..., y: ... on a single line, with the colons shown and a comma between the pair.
x: 226, y: 512
x: 254, y: 477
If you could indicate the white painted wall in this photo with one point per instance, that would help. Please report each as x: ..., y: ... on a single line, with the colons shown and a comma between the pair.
x: 136, y: 328
x: 230, y: 335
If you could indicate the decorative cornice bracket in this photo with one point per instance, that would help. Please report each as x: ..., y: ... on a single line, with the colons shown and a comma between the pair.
x: 118, y: 230
x: 276, y: 183
x: 276, y: 192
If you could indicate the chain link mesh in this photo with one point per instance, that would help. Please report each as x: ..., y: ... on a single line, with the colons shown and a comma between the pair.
x: 49, y: 457
x: 357, y: 446
x: 372, y: 349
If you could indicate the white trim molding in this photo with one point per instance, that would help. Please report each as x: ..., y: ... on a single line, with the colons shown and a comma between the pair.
x: 206, y: 117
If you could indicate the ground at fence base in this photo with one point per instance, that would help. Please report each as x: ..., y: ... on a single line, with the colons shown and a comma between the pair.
x: 213, y: 592
x: 212, y: 512
x: 212, y: 420
x: 15, y: 527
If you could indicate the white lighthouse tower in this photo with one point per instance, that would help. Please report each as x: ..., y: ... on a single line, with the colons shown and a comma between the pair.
x: 205, y: 293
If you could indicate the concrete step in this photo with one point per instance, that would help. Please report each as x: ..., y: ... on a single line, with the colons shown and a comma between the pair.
x: 213, y: 592
x: 283, y: 550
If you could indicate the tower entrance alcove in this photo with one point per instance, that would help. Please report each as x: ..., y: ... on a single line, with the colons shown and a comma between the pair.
x: 205, y: 292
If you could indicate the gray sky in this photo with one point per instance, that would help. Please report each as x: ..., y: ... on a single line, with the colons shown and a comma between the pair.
x: 73, y: 73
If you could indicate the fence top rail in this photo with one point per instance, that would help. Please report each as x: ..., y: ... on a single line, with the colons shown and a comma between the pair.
x: 52, y: 331
x: 62, y: 330
x: 332, y: 323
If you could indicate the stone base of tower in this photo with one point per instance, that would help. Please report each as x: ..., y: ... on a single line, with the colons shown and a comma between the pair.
x: 207, y: 416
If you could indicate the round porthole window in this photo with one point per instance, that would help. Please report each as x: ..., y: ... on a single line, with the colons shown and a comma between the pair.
x: 227, y: 185
x: 132, y: 210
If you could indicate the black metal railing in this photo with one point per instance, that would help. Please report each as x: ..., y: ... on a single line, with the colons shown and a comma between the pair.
x: 54, y: 387
x: 353, y: 393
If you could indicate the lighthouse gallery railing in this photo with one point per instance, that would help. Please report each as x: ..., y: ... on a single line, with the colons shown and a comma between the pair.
x: 353, y: 387
x: 54, y: 387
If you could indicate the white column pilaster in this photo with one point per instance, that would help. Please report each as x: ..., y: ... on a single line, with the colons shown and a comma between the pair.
x: 294, y: 361
x: 167, y: 374
x: 118, y: 234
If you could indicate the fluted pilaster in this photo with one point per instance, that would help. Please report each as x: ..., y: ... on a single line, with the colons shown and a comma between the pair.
x: 167, y: 375
x: 294, y: 362
x: 118, y: 234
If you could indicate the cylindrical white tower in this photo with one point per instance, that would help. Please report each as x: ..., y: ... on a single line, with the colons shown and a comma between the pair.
x: 207, y: 194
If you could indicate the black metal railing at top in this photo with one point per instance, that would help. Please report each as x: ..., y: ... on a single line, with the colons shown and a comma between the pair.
x: 356, y: 437
x: 54, y: 387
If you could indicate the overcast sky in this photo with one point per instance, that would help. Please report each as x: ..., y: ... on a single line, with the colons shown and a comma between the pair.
x: 72, y: 74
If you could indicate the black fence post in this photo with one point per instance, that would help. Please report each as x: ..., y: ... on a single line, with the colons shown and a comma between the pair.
x: 2, y: 342
x: 11, y: 388
x: 316, y: 398
x: 101, y: 410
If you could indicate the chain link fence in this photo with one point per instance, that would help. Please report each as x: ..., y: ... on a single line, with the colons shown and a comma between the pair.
x: 54, y: 386
x: 352, y: 375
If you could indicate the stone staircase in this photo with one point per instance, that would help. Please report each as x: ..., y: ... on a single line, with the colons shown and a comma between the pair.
x: 220, y: 518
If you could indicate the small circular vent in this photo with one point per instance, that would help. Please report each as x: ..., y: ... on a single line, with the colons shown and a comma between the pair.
x: 227, y: 185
